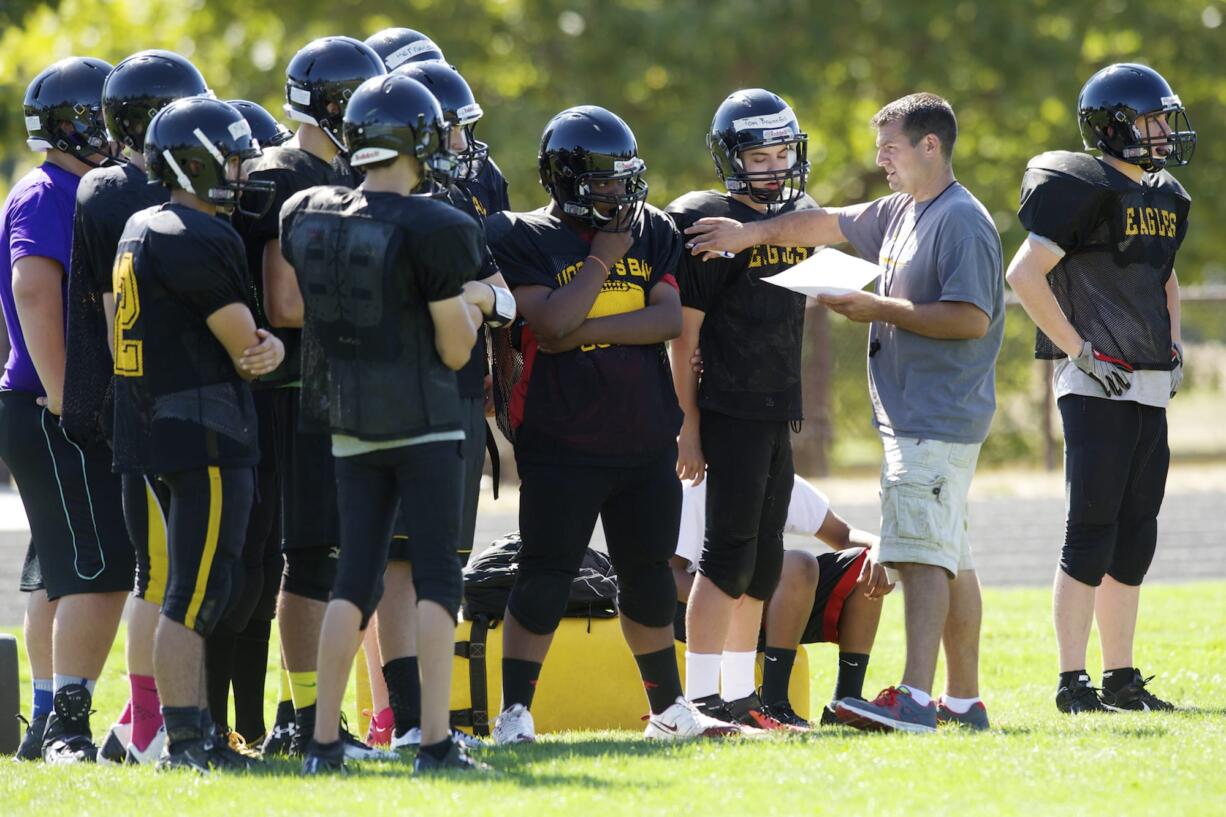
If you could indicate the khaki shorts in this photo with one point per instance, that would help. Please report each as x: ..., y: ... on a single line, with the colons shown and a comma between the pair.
x: 924, y: 510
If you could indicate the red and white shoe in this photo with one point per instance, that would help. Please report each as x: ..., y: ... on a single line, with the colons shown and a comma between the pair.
x: 683, y: 721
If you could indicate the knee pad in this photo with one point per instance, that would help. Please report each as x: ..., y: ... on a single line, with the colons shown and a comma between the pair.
x: 1134, y: 552
x: 1088, y: 551
x: 729, y: 565
x: 647, y: 594
x: 310, y: 572
x: 436, y: 577
x: 538, y: 600
x: 767, y: 569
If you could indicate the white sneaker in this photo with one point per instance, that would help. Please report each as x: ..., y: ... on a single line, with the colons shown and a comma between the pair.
x: 152, y: 752
x: 412, y: 740
x: 114, y: 747
x: 683, y: 721
x: 514, y: 725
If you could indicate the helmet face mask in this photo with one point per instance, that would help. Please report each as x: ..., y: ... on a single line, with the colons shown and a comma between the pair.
x: 198, y: 145
x: 585, y: 152
x: 1118, y: 112
x: 754, y: 119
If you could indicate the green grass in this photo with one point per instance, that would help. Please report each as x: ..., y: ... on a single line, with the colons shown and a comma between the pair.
x: 1034, y: 762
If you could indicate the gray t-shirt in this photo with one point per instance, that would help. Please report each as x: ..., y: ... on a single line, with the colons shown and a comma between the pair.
x: 925, y: 387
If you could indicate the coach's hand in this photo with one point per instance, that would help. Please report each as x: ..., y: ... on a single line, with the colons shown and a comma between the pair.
x: 1112, y: 374
x: 719, y: 237
x: 690, y: 462
x: 1177, y: 372
x: 263, y: 357
x: 873, y: 579
x: 859, y: 306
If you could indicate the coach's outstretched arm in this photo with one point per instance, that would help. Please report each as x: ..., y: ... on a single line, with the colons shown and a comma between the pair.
x: 711, y: 237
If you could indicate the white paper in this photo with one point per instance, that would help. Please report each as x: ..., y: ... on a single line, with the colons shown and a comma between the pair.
x: 827, y: 272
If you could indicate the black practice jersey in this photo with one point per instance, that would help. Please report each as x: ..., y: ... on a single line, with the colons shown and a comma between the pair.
x: 601, y: 404
x: 1119, y: 238
x: 487, y: 193
x: 106, y: 198
x: 369, y: 264
x: 292, y: 170
x: 179, y: 403
x: 752, y: 332
x: 471, y: 378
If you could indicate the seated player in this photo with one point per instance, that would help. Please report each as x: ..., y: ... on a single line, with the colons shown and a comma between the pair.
x: 834, y: 596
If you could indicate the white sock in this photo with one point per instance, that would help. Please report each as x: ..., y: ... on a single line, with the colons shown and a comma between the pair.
x: 918, y: 695
x: 701, y: 674
x: 959, y: 706
x: 736, y: 671
x: 64, y: 680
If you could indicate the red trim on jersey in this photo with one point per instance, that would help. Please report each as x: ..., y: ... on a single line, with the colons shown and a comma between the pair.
x: 670, y: 279
x: 838, y: 596
x: 519, y: 394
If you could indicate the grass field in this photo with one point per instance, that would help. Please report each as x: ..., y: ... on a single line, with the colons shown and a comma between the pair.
x: 1034, y: 762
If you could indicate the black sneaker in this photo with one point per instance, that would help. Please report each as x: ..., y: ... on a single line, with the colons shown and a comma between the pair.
x: 782, y: 712
x: 1079, y: 697
x: 1134, y: 697
x: 355, y: 749
x: 231, y: 751
x: 277, y: 742
x: 31, y: 747
x: 194, y: 755
x: 304, y: 732
x: 456, y: 760
x: 324, y: 760
x: 68, y: 738
x: 828, y: 718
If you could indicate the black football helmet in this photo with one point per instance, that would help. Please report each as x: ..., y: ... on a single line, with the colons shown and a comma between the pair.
x: 190, y: 142
x: 394, y: 116
x: 265, y: 128
x: 1109, y: 105
x: 755, y: 118
x: 585, y: 144
x: 63, y: 110
x: 322, y: 76
x: 396, y: 46
x: 140, y: 86
x: 459, y: 107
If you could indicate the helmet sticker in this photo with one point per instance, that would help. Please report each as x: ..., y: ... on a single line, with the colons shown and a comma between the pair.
x: 469, y: 114
x: 209, y: 146
x: 633, y: 165
x: 775, y: 133
x: 366, y: 156
x: 775, y: 120
x: 33, y: 123
x: 300, y: 95
x: 1171, y: 100
x: 240, y: 129
x: 408, y: 52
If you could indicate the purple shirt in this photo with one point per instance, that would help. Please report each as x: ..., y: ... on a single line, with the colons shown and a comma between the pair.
x: 37, y: 220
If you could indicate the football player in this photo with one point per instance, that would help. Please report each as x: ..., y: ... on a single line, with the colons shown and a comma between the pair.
x: 136, y: 89
x: 185, y: 346
x: 1097, y: 276
x: 71, y: 498
x: 391, y: 310
x: 594, y: 410
x: 736, y: 433
x: 319, y: 80
x: 815, y: 601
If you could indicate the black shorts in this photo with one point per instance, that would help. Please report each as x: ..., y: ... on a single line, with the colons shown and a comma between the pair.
x: 145, y: 503
x: 837, y: 572
x: 205, y: 529
x: 309, y: 517
x: 72, y: 500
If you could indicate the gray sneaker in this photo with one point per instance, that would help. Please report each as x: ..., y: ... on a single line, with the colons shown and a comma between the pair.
x: 893, y: 710
x: 974, y: 718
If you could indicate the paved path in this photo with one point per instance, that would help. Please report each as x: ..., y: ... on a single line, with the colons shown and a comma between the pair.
x: 1017, y: 524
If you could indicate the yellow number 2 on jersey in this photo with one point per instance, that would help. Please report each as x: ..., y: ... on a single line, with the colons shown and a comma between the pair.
x: 129, y: 354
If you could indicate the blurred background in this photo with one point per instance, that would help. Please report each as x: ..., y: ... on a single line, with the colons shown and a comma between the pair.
x: 1011, y: 71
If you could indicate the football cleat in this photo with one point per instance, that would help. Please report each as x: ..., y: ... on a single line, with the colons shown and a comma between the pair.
x: 782, y: 712
x: 974, y: 718
x: 514, y: 725
x: 828, y: 717
x: 68, y: 739
x: 893, y: 710
x: 150, y: 754
x: 193, y: 755
x: 750, y: 711
x: 411, y: 739
x: 277, y: 742
x: 324, y: 761
x: 114, y: 747
x: 1079, y: 697
x: 683, y: 721
x: 357, y: 750
x: 31, y: 747
x: 1135, y: 697
x: 456, y: 760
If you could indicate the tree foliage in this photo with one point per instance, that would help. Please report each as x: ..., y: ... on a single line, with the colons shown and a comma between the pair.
x: 1011, y: 70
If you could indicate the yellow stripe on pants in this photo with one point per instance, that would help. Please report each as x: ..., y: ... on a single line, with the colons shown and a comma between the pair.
x: 210, y: 548
x: 155, y: 547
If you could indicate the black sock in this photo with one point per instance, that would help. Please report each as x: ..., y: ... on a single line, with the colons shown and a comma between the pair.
x: 218, y: 665
x: 247, y: 675
x: 660, y: 677
x: 519, y: 681
x: 404, y: 692
x: 850, y: 683
x: 182, y: 725
x: 439, y: 750
x: 1116, y: 679
x: 1073, y: 678
x: 776, y: 673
